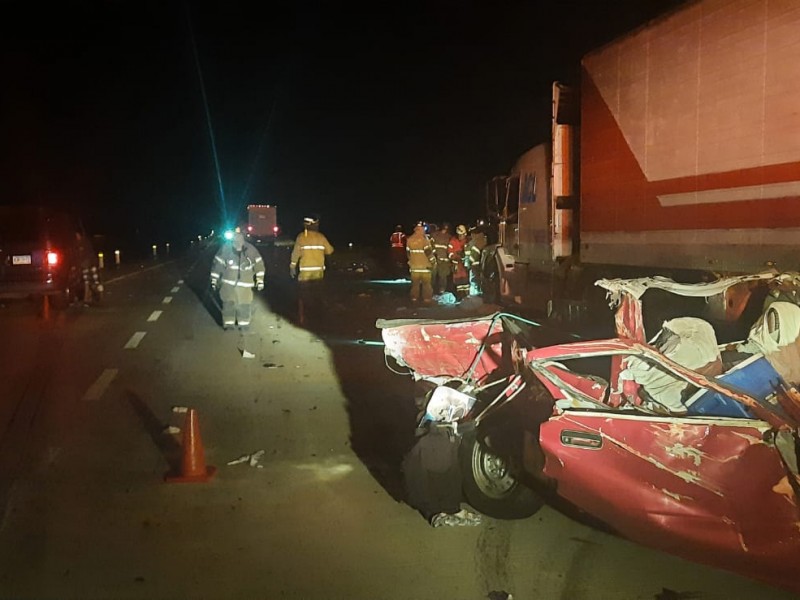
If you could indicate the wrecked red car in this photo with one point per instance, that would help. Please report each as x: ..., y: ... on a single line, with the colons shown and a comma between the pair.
x: 682, y: 441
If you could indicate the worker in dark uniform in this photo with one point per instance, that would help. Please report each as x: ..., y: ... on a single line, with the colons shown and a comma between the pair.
x: 443, y: 270
x: 397, y: 248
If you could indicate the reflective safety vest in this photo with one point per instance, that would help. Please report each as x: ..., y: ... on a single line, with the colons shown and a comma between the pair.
x: 398, y: 239
x: 420, y: 253
x: 455, y: 250
x: 308, y: 255
x: 237, y: 268
x: 474, y: 249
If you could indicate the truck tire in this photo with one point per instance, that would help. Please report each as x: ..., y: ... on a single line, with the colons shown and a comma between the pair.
x: 489, y: 486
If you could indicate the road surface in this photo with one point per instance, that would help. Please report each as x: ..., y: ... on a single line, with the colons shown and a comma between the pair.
x: 89, y: 395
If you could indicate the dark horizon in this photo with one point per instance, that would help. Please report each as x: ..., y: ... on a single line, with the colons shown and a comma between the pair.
x: 365, y: 116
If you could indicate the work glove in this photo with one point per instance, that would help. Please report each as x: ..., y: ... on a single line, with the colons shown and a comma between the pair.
x: 292, y: 272
x: 213, y: 285
x: 259, y: 286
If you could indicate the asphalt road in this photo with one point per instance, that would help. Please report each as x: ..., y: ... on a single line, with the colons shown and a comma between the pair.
x: 88, y: 395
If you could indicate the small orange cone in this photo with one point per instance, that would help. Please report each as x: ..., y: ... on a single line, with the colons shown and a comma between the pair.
x: 193, y: 463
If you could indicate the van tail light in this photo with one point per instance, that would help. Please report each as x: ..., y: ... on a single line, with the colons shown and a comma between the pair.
x: 53, y: 258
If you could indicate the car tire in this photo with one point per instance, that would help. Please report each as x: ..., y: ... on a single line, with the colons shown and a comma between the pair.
x: 489, y: 486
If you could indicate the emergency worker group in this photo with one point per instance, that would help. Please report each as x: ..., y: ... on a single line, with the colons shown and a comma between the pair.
x: 238, y: 267
x: 437, y: 260
x: 440, y: 261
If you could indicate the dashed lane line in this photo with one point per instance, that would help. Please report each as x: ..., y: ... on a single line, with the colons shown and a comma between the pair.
x: 166, y: 300
x: 175, y: 289
x: 135, y: 339
x: 98, y: 388
x: 154, y: 316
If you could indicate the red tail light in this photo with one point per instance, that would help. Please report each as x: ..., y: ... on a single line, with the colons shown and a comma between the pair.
x: 52, y: 258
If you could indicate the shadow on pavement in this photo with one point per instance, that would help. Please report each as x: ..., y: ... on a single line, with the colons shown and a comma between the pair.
x: 166, y: 444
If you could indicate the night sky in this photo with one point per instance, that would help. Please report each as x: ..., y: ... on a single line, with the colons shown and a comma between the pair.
x: 366, y: 114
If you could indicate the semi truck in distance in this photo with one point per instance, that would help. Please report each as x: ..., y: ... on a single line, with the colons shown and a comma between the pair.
x: 678, y: 155
x: 262, y: 223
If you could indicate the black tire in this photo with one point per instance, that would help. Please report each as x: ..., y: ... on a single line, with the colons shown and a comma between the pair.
x: 490, y: 487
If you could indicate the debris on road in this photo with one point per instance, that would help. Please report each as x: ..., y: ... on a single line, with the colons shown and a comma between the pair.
x: 445, y: 299
x: 247, y: 354
x: 270, y: 365
x: 252, y: 459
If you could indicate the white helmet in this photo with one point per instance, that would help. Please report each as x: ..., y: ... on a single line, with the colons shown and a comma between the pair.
x: 461, y: 230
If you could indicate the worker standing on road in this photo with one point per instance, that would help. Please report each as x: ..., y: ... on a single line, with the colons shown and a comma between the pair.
x: 397, y: 247
x: 443, y: 270
x: 421, y: 259
x: 308, y: 266
x: 473, y: 254
x: 456, y: 251
x: 237, y: 268
x: 90, y: 274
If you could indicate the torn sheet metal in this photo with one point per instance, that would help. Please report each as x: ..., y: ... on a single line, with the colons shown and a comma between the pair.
x: 436, y: 348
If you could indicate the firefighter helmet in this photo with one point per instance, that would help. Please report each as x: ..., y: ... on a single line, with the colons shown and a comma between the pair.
x: 461, y: 230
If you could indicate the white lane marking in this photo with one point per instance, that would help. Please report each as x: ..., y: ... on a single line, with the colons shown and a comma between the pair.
x: 175, y: 289
x: 135, y: 339
x: 166, y: 300
x: 180, y: 281
x: 154, y: 316
x: 100, y: 385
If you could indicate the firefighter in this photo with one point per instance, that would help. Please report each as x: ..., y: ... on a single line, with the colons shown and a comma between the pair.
x: 308, y: 266
x: 237, y: 269
x: 397, y: 243
x: 443, y: 270
x: 472, y: 260
x: 421, y: 259
x: 456, y: 252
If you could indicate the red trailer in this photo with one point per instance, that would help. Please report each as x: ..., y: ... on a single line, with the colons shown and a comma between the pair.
x: 678, y: 154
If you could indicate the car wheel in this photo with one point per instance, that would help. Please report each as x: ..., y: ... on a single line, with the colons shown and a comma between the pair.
x: 489, y: 485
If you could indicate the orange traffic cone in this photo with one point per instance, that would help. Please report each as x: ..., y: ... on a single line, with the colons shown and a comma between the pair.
x: 193, y: 463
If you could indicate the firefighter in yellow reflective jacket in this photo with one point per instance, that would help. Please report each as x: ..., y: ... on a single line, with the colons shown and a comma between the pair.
x: 308, y: 266
x: 237, y: 269
x: 421, y: 259
x: 473, y: 255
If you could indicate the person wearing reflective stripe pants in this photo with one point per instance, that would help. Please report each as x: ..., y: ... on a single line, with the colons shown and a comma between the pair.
x: 236, y: 270
x: 420, y: 263
x: 473, y: 257
x: 443, y: 270
x: 456, y: 251
x: 308, y: 266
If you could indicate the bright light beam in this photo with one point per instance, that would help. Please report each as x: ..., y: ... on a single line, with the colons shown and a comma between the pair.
x: 223, y: 206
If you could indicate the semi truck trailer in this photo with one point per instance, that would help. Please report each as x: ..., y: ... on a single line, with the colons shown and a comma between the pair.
x: 262, y: 223
x: 678, y: 154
